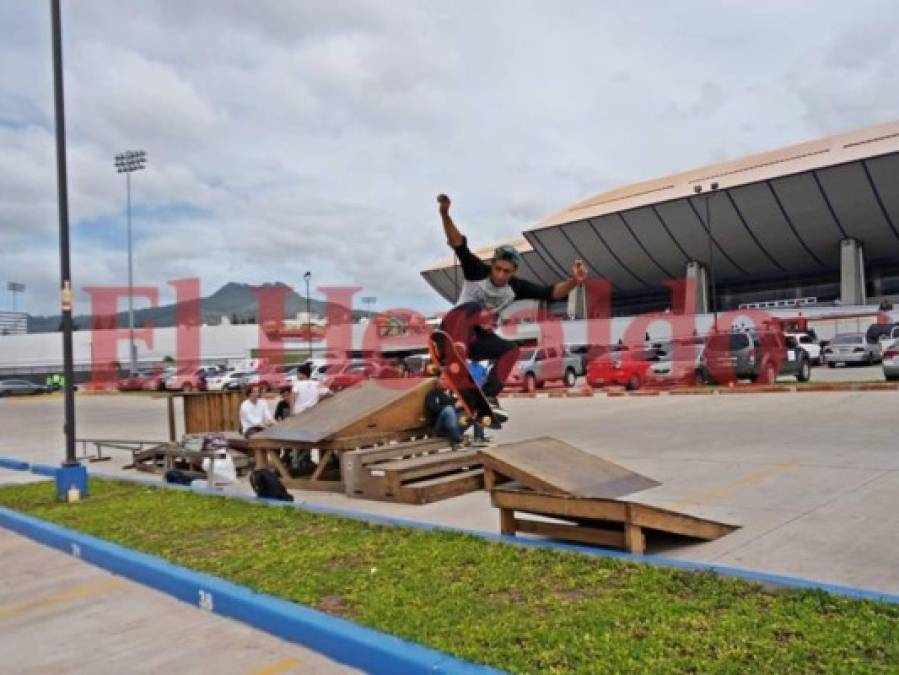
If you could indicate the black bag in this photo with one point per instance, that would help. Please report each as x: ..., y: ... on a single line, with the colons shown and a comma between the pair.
x: 267, y: 485
x: 177, y: 477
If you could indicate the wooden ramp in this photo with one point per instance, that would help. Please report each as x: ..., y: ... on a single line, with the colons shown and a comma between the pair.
x: 374, y: 408
x: 372, y: 413
x: 577, y: 496
x: 414, y: 472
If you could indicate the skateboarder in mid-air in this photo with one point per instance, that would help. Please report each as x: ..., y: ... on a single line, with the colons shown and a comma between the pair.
x: 488, y: 289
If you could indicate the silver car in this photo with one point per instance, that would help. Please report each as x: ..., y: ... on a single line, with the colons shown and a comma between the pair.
x: 851, y: 348
x: 20, y: 388
x: 891, y: 360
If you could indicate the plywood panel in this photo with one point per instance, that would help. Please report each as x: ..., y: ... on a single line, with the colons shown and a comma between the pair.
x: 550, y: 465
x: 371, y: 408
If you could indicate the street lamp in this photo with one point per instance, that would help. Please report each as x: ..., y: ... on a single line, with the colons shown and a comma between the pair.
x: 71, y: 477
x: 127, y: 163
x: 306, y: 278
x: 713, y: 305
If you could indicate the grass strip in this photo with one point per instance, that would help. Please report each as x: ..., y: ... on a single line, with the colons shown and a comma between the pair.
x: 520, y: 609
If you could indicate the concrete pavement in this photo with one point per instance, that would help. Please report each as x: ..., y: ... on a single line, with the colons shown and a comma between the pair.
x: 61, y: 615
x: 812, y: 478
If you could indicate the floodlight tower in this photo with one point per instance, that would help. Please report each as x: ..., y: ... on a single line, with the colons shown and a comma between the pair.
x: 127, y: 163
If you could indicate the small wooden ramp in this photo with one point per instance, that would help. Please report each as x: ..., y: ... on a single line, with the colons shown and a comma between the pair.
x: 374, y: 408
x: 581, y: 493
x: 372, y: 413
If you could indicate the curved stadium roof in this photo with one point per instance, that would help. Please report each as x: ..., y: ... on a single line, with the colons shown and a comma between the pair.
x: 780, y: 214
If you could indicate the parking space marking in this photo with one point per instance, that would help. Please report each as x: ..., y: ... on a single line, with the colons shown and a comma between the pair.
x: 281, y: 666
x: 77, y: 593
x: 722, y: 491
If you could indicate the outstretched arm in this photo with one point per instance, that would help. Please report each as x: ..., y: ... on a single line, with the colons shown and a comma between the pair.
x: 578, y: 275
x: 453, y: 236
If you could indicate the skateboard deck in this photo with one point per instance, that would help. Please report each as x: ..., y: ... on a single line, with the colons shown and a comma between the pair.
x: 446, y: 357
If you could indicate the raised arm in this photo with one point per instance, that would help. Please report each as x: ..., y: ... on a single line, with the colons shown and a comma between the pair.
x: 578, y: 274
x: 453, y: 236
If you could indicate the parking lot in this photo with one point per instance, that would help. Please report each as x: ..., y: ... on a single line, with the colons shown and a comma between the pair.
x: 809, y: 477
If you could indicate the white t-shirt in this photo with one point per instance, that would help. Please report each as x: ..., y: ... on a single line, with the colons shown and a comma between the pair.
x: 254, y: 415
x: 305, y: 395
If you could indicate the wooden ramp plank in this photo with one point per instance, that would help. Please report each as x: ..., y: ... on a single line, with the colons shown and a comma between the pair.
x: 549, y: 465
x: 633, y: 518
x: 372, y: 407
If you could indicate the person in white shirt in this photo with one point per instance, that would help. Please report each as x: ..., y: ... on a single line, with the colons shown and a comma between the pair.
x: 254, y: 414
x: 306, y: 393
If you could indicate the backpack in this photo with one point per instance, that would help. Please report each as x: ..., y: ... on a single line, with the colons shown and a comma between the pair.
x: 267, y: 485
x: 177, y: 477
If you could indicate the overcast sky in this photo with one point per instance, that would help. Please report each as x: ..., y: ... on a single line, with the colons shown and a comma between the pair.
x: 295, y: 135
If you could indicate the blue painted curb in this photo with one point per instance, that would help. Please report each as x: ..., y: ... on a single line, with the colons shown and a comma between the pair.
x: 14, y: 464
x: 44, y: 470
x: 341, y: 640
x: 663, y: 561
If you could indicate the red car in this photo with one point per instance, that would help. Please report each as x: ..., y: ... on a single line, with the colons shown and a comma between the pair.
x: 355, y: 372
x: 187, y: 381
x: 138, y: 381
x: 627, y: 368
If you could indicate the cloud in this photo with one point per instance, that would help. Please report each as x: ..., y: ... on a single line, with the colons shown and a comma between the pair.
x: 289, y: 136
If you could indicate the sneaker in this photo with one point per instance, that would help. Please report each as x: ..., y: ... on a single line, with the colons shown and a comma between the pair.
x: 499, y: 415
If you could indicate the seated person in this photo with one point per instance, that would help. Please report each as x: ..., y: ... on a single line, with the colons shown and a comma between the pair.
x: 282, y: 410
x: 254, y: 413
x: 306, y: 393
x: 441, y: 406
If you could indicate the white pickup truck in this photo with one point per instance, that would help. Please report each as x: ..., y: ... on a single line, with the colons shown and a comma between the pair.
x: 538, y: 365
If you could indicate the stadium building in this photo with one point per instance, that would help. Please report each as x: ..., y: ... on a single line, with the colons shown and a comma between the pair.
x: 810, y: 224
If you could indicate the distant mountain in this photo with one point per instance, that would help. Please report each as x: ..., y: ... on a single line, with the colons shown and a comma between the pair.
x: 236, y: 301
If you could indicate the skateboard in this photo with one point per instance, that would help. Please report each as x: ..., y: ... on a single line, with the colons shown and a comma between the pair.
x: 449, y: 357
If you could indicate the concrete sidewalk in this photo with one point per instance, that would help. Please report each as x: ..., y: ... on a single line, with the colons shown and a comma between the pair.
x: 812, y: 479
x: 61, y: 615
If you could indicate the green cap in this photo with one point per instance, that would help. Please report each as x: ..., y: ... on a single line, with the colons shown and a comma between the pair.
x: 507, y: 252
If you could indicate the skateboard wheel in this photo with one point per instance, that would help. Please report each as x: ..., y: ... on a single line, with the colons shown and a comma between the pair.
x: 433, y: 369
x: 454, y: 368
x: 486, y: 421
x: 464, y: 421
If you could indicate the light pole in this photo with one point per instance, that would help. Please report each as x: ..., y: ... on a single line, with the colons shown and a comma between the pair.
x: 15, y: 287
x: 127, y: 163
x: 306, y: 278
x: 369, y: 300
x: 713, y: 305
x: 71, y: 475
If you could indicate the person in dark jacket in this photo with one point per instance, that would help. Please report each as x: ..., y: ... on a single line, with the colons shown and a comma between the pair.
x: 282, y: 410
x: 441, y: 406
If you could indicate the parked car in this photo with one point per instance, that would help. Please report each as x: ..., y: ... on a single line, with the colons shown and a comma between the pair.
x: 743, y: 355
x: 798, y: 362
x: 882, y: 333
x: 225, y: 381
x: 627, y: 368
x: 156, y: 382
x: 21, y: 388
x: 138, y: 381
x: 890, y: 363
x: 538, y: 365
x: 354, y: 372
x: 680, y: 362
x: 848, y: 348
x: 192, y: 380
x: 809, y: 343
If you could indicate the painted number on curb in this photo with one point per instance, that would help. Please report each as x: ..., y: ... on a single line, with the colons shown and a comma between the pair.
x: 205, y: 601
x: 76, y: 550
